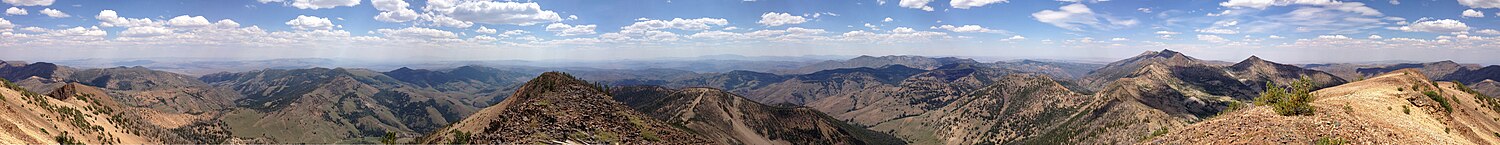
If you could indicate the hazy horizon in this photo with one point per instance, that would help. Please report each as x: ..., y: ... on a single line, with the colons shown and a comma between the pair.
x: 451, y: 30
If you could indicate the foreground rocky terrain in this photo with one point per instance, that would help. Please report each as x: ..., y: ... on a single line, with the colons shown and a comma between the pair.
x: 1398, y: 107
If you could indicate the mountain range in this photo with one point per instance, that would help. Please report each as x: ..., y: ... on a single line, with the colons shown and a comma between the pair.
x: 1157, y: 97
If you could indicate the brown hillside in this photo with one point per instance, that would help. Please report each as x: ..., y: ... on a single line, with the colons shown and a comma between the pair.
x: 1373, y: 111
x: 558, y: 108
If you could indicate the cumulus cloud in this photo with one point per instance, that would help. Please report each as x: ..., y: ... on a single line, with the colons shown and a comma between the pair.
x: 1217, y: 31
x: 1473, y: 13
x: 777, y: 19
x: 1212, y: 38
x: 967, y: 29
x: 513, y: 33
x: 305, y: 22
x: 416, y: 32
x: 394, y: 11
x: 54, y: 13
x: 966, y: 4
x: 484, y: 30
x: 389, y: 5
x: 915, y: 4
x: 29, y: 2
x: 675, y: 23
x: 5, y: 24
x: 1375, y: 37
x: 186, y: 21
x: 569, y: 30
x: 108, y: 18
x: 1488, y: 32
x: 1076, y: 16
x: 315, y: 4
x: 145, y: 31
x: 445, y: 21
x: 226, y: 23
x: 1480, y: 3
x: 1262, y: 4
x: 398, y: 15
x: 15, y: 11
x: 490, y: 12
x: 1436, y: 26
x: 1014, y: 38
x: 888, y: 19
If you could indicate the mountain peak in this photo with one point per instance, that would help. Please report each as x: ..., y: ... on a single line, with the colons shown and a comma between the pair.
x: 1254, y: 58
x: 402, y: 69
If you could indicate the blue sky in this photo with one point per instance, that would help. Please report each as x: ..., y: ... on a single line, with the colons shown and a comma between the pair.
x: 1298, y: 31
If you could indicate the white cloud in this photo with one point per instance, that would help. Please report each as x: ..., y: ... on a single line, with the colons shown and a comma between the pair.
x: 29, y: 2
x: 54, y: 13
x: 1262, y: 4
x: 186, y: 21
x: 1118, y: 39
x: 484, y: 38
x: 888, y: 19
x: 1473, y: 13
x: 490, y: 12
x: 1480, y: 3
x: 1212, y: 38
x: 1488, y: 32
x: 389, y: 5
x: 484, y: 30
x: 675, y: 23
x: 1375, y: 37
x: 561, y: 29
x: 513, y: 33
x: 398, y: 15
x: 1076, y: 16
x: 1436, y: 26
x: 145, y: 31
x: 777, y: 19
x: 445, y: 21
x: 966, y: 4
x: 394, y: 11
x: 317, y: 4
x: 1014, y: 38
x: 15, y: 11
x: 5, y: 24
x: 108, y: 18
x: 916, y: 4
x: 416, y: 32
x: 967, y: 29
x: 304, y: 22
x: 1274, y: 37
x: 1217, y: 31
x: 226, y: 23
x: 1166, y: 33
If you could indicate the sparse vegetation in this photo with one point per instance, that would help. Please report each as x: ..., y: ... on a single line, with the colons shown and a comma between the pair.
x: 459, y: 137
x: 1405, y: 109
x: 1330, y: 141
x: 1291, y: 100
x: 389, y: 138
x: 66, y: 140
x: 1439, y: 98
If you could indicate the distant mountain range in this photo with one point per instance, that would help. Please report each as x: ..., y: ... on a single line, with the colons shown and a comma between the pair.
x: 1157, y: 97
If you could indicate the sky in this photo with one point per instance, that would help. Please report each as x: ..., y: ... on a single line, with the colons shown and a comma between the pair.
x: 1294, y: 31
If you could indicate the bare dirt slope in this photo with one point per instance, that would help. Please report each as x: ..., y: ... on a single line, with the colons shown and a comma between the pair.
x: 1390, y: 108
